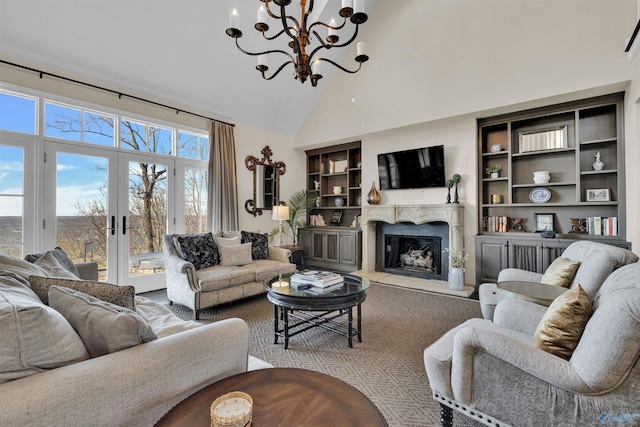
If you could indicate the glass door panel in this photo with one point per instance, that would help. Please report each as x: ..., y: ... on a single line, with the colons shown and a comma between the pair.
x: 12, y: 166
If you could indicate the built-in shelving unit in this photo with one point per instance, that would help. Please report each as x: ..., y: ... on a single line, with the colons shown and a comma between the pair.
x: 581, y: 130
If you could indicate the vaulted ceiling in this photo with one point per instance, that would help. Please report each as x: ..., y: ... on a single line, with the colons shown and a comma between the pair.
x: 174, y: 51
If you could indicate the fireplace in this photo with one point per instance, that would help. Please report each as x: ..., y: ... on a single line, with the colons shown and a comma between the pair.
x: 413, y: 250
x: 420, y: 225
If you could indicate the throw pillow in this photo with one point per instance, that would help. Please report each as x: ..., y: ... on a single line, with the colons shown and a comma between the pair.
x: 561, y: 326
x: 103, y: 327
x: 236, y: 255
x: 52, y: 266
x: 259, y: 244
x: 120, y: 295
x: 199, y: 249
x: 34, y: 337
x: 227, y: 241
x: 560, y: 273
x: 20, y: 267
x: 60, y: 255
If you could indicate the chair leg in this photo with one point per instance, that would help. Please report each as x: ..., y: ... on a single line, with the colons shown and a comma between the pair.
x: 446, y: 416
x: 196, y: 314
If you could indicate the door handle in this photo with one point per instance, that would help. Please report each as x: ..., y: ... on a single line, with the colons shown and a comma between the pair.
x: 113, y: 225
x: 124, y: 225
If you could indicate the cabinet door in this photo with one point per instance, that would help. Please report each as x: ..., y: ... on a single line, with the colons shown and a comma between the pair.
x: 332, y: 248
x: 492, y: 254
x: 347, y: 249
x: 551, y: 250
x: 317, y: 246
x: 526, y: 255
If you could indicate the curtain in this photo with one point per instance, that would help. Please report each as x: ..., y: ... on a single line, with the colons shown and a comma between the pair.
x: 223, y: 184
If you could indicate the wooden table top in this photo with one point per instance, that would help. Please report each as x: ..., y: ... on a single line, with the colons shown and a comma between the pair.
x: 283, y: 397
x: 532, y: 291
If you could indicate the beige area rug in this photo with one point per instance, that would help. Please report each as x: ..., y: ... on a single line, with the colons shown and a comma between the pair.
x: 398, y: 324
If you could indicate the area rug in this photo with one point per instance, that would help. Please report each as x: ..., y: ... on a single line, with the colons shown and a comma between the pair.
x: 387, y: 366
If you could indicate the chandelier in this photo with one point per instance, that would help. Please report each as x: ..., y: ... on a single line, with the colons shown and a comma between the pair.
x: 302, y: 37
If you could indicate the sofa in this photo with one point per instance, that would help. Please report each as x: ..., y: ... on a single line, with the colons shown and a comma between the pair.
x: 509, y: 372
x: 208, y: 269
x: 54, y: 370
x: 592, y: 264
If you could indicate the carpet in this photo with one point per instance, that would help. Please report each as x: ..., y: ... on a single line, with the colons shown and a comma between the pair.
x: 398, y: 324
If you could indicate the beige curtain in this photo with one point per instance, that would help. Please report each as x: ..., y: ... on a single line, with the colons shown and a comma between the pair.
x: 223, y: 184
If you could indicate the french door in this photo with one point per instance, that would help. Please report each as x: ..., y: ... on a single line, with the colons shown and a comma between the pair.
x: 111, y: 207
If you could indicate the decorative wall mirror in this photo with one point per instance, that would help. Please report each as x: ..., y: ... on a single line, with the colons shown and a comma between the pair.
x: 266, y: 181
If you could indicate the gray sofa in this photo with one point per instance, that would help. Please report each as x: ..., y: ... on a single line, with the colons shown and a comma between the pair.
x: 493, y: 373
x: 133, y: 386
x: 198, y: 289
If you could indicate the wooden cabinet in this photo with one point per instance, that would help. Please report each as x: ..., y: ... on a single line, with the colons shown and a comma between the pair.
x: 332, y: 248
x: 564, y: 140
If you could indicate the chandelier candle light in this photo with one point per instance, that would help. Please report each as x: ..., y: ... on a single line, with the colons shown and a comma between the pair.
x: 302, y: 36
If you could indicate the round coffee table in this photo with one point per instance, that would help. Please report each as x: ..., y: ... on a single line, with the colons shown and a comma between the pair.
x: 301, y: 310
x: 283, y: 397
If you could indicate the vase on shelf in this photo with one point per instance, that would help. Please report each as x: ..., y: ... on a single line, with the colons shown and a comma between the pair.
x: 373, y: 198
x: 456, y: 278
x: 541, y: 177
x: 598, y: 165
x: 495, y: 175
x: 339, y: 201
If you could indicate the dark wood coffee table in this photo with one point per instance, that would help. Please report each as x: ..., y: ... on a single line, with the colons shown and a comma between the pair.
x: 283, y: 397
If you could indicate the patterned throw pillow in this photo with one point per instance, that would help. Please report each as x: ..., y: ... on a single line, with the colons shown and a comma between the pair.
x: 199, y: 249
x: 103, y: 327
x: 120, y: 295
x: 60, y: 255
x: 259, y: 244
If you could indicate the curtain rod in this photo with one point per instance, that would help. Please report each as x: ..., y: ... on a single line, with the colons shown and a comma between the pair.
x: 115, y: 92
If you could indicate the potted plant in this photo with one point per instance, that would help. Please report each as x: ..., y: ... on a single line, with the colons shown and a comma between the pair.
x: 494, y: 171
x: 456, y: 268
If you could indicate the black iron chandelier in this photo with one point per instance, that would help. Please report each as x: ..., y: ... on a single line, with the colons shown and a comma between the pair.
x: 307, y: 65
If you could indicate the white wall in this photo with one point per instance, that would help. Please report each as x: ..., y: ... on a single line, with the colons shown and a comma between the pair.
x: 448, y: 62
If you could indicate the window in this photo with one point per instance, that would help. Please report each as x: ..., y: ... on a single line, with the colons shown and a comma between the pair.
x: 193, y: 146
x: 17, y: 113
x: 77, y: 124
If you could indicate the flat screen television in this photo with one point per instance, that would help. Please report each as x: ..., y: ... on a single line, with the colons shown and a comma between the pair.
x: 417, y: 168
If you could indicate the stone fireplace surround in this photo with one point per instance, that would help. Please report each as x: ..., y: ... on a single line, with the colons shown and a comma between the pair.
x: 452, y: 214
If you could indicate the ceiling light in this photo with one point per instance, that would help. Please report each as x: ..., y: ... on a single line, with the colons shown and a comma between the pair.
x: 307, y: 65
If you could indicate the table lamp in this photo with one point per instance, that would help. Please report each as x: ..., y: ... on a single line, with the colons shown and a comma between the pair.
x: 280, y: 212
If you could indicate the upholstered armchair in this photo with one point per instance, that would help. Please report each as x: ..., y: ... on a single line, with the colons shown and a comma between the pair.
x: 596, y: 262
x: 495, y: 373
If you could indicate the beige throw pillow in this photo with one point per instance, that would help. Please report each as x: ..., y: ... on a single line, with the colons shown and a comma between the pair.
x: 560, y: 273
x: 236, y: 255
x: 53, y: 267
x: 561, y: 326
x: 120, y: 295
x: 104, y: 328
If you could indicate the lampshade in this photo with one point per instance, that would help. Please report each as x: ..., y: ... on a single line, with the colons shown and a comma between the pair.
x: 280, y: 212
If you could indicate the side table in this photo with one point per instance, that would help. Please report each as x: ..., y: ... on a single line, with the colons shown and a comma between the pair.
x: 538, y: 293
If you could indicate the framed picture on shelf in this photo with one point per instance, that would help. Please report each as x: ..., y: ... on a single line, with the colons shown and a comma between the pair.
x: 598, y: 195
x: 336, y: 217
x: 544, y: 222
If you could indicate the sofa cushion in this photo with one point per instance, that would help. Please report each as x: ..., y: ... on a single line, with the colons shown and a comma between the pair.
x: 265, y: 269
x: 162, y: 320
x: 560, y: 272
x: 199, y: 249
x: 563, y: 323
x: 34, y: 337
x: 20, y: 267
x: 236, y: 254
x: 220, y: 277
x: 53, y: 267
x: 259, y: 244
x: 114, y: 294
x: 103, y: 327
x: 227, y: 241
x: 60, y: 255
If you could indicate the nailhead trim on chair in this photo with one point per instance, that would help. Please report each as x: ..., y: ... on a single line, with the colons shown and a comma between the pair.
x: 468, y: 412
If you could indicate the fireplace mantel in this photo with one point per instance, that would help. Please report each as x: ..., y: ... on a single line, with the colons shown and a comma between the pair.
x: 452, y: 214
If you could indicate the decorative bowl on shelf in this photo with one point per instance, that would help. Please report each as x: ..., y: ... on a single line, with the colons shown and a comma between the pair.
x: 496, y: 148
x: 541, y: 177
x: 232, y: 409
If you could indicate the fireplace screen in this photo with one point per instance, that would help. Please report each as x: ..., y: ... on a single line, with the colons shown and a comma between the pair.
x: 418, y: 256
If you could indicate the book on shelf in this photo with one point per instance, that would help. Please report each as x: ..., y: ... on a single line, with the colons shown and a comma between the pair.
x: 316, y: 278
x: 602, y: 226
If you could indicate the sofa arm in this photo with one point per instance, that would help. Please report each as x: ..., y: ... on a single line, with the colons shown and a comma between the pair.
x: 515, y: 274
x: 534, y: 363
x: 88, y: 270
x: 136, y: 386
x: 279, y: 254
x: 519, y: 315
x: 178, y: 266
